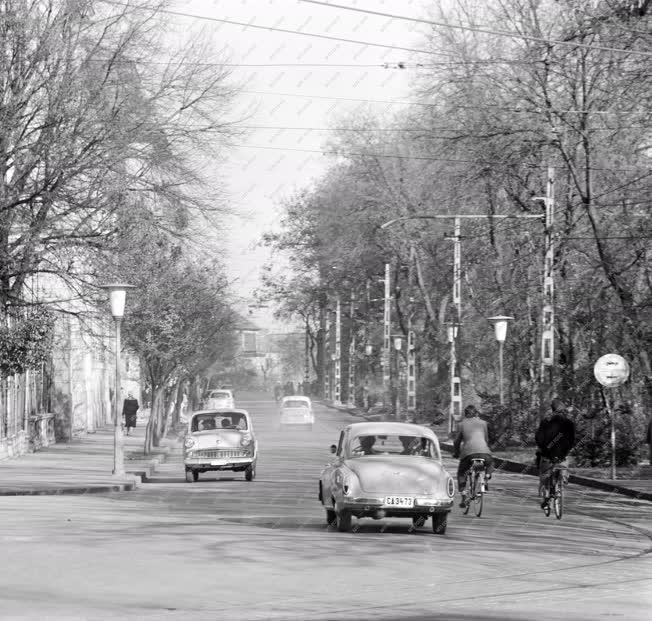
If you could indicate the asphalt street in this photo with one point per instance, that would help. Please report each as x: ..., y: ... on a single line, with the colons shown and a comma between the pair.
x: 224, y: 548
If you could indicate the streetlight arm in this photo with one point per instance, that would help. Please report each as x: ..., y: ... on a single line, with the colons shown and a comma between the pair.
x: 449, y: 216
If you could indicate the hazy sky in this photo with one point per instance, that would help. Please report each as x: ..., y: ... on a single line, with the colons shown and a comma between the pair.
x: 295, y: 93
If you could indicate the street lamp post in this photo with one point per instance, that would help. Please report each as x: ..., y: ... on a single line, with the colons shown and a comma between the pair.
x: 117, y: 294
x: 398, y: 345
x: 500, y: 327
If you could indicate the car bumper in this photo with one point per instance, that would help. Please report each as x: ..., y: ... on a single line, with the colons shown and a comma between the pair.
x: 376, y: 507
x: 228, y: 463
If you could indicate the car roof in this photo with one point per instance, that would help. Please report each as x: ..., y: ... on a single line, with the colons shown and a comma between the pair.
x: 221, y: 411
x: 219, y: 390
x: 385, y: 427
x: 296, y: 398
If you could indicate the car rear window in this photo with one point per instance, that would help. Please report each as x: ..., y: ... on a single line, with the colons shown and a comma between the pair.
x: 220, y: 395
x: 295, y: 403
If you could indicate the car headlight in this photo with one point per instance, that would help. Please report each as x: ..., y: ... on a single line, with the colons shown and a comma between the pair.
x: 245, y: 440
x: 450, y: 487
x: 189, y: 443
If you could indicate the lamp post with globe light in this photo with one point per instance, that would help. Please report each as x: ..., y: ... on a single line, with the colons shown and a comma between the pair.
x: 117, y: 294
x: 500, y: 327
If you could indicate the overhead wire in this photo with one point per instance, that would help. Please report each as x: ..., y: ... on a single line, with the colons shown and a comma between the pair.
x: 482, y: 30
x: 418, y: 157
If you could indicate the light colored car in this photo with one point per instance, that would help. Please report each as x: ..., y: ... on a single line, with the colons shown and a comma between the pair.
x: 386, y: 469
x: 220, y: 440
x: 218, y: 399
x: 296, y: 410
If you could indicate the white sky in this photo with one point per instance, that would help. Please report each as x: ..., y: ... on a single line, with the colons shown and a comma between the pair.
x: 258, y: 178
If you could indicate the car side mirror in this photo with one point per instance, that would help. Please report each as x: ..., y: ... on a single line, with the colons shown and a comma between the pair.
x: 333, y: 449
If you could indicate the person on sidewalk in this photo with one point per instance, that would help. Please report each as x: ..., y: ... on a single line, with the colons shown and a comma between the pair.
x: 554, y: 438
x: 472, y: 442
x: 129, y: 411
x: 648, y: 438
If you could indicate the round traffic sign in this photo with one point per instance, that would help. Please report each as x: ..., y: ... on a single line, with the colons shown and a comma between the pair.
x: 611, y: 370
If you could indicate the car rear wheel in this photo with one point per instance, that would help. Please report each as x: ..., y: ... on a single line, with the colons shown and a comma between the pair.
x: 418, y: 521
x: 343, y: 520
x: 330, y: 517
x: 439, y: 522
x: 189, y: 478
x: 250, y: 473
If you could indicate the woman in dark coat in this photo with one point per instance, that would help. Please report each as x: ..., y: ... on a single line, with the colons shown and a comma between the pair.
x: 129, y: 411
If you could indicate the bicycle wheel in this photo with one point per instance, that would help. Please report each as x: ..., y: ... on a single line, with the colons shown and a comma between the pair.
x: 470, y: 491
x: 558, y: 499
x: 478, y: 496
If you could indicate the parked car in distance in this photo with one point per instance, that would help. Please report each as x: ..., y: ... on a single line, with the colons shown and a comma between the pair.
x: 387, y: 469
x: 218, y: 399
x: 220, y: 440
x: 296, y: 410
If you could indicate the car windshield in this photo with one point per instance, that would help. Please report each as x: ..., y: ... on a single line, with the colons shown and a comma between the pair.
x: 295, y: 403
x: 220, y: 395
x: 209, y: 422
x: 392, y: 445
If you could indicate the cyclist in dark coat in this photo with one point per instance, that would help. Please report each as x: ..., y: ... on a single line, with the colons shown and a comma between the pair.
x: 555, y: 439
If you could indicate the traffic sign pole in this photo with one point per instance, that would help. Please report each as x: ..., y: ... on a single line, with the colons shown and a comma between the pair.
x: 611, y: 370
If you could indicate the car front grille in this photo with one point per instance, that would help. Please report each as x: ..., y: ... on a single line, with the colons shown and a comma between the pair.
x: 219, y: 453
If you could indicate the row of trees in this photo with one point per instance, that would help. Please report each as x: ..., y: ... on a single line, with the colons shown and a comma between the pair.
x: 104, y: 131
x: 564, y: 85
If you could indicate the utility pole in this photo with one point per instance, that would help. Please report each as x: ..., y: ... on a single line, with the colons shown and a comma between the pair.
x: 327, y: 358
x: 306, y: 359
x: 411, y: 388
x: 337, y: 397
x: 321, y: 350
x: 548, y: 310
x: 456, y: 386
x: 351, y: 391
x: 387, y: 339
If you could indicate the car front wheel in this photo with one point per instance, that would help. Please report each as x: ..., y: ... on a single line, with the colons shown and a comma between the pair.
x: 250, y: 473
x: 330, y: 517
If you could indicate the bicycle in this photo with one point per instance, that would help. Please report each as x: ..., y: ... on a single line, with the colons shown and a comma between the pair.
x: 555, y: 491
x: 475, y: 486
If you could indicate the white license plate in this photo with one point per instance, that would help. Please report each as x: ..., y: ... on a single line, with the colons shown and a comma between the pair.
x: 218, y: 463
x: 399, y: 501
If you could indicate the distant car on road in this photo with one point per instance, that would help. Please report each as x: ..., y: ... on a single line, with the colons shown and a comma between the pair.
x: 387, y: 469
x: 220, y: 440
x: 296, y: 410
x: 218, y: 399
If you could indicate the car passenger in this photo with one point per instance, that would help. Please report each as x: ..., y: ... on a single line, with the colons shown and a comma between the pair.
x: 226, y: 423
x: 367, y: 444
x: 409, y: 444
x: 207, y: 424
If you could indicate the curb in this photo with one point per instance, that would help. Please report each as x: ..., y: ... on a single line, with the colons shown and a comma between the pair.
x: 500, y: 463
x: 67, y: 491
x: 520, y: 468
x: 140, y: 473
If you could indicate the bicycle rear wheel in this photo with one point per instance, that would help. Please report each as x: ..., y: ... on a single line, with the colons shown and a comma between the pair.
x: 558, y: 498
x: 478, y: 496
x: 470, y: 491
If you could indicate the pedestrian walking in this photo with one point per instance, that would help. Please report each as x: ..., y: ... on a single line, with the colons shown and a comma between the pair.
x: 648, y: 438
x: 129, y: 411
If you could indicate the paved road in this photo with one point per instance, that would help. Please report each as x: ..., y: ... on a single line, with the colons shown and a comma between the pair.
x: 223, y: 548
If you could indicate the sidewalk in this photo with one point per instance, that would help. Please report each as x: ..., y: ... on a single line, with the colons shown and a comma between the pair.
x: 82, y: 466
x: 640, y: 489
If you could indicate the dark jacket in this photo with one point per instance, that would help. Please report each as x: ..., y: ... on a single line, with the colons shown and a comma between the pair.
x: 129, y: 411
x: 555, y: 437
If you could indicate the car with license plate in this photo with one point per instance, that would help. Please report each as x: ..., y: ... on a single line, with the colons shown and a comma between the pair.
x: 296, y: 410
x: 218, y: 440
x: 387, y: 470
x: 218, y: 399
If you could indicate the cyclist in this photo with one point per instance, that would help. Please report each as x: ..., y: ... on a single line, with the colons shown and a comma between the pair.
x: 554, y: 438
x: 472, y: 442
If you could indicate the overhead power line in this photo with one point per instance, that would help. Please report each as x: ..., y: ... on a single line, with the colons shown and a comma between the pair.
x: 416, y: 157
x: 499, y: 33
x: 430, y: 104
